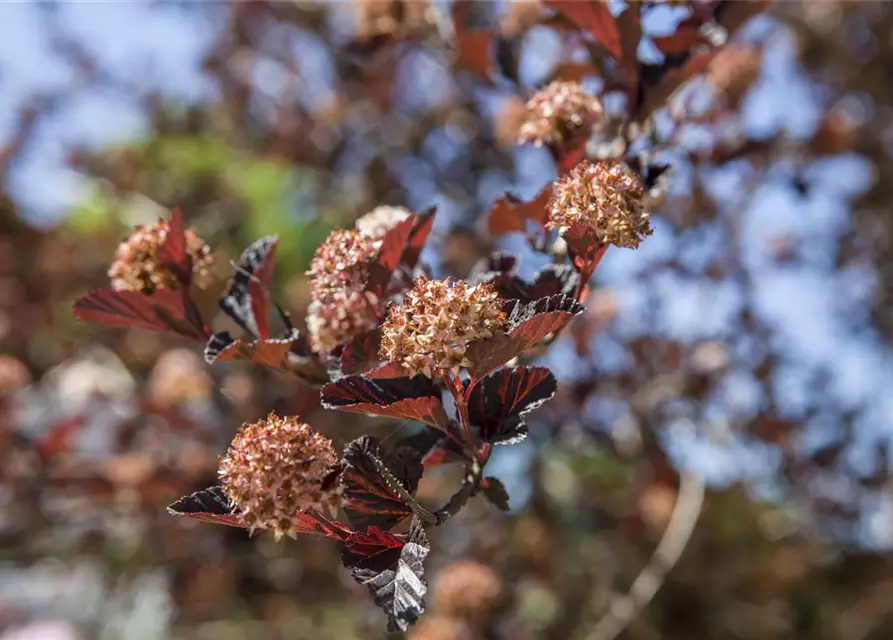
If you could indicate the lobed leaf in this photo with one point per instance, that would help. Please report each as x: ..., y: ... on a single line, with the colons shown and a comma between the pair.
x: 361, y: 353
x: 173, y: 253
x: 208, y: 505
x: 163, y: 310
x: 373, y: 549
x: 509, y: 213
x: 418, y: 237
x: 551, y: 280
x: 400, y: 589
x: 389, y: 257
x: 416, y: 398
x: 247, y: 296
x: 497, y: 404
x: 529, y: 324
x: 222, y: 347
x: 370, y: 499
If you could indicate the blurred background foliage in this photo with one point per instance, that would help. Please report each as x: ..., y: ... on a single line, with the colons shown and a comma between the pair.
x: 746, y: 343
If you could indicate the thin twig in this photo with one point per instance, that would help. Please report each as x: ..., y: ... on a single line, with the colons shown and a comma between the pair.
x: 624, y: 609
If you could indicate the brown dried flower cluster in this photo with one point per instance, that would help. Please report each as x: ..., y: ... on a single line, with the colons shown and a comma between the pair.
x: 380, y: 220
x: 344, y: 315
x: 136, y: 266
x: 429, y: 332
x: 560, y: 113
x: 606, y: 195
x: 341, y: 309
x: 341, y: 262
x: 467, y: 589
x: 275, y: 468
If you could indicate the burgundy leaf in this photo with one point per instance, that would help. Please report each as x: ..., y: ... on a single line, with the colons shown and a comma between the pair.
x: 222, y: 347
x: 247, y: 298
x: 369, y: 499
x: 173, y: 254
x: 361, y: 353
x: 570, y: 158
x: 495, y: 492
x: 416, y: 398
x: 373, y: 549
x: 551, y: 280
x: 315, y: 524
x: 163, y: 310
x: 400, y: 589
x: 392, y: 247
x: 509, y: 213
x: 417, y: 239
x: 207, y: 505
x: 584, y: 248
x: 594, y: 17
x: 498, y: 403
x: 530, y: 323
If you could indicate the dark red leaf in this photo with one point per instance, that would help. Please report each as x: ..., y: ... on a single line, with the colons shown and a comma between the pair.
x: 530, y: 323
x: 510, y: 213
x: 416, y: 398
x: 222, y: 347
x: 314, y: 524
x: 400, y: 588
x: 417, y: 239
x: 551, y: 280
x: 373, y: 549
x: 593, y: 16
x: 498, y: 403
x: 361, y: 353
x: 495, y: 492
x: 584, y: 248
x: 369, y: 500
x: 393, y: 246
x: 173, y: 254
x: 247, y: 297
x: 207, y: 505
x: 163, y: 310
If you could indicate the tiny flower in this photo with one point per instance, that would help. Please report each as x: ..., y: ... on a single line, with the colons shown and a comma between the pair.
x: 344, y: 315
x: 467, y: 589
x: 559, y: 113
x: 136, y: 266
x: 380, y: 220
x: 429, y: 332
x: 275, y: 468
x: 341, y: 262
x: 607, y: 196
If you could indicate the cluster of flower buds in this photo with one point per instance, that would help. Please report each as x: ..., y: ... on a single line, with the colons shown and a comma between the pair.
x: 605, y: 195
x: 136, y: 266
x: 560, y: 113
x: 341, y: 309
x: 275, y: 468
x: 430, y: 331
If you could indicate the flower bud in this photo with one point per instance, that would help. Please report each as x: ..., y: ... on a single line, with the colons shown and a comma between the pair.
x: 605, y: 195
x: 275, y: 468
x: 429, y: 332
